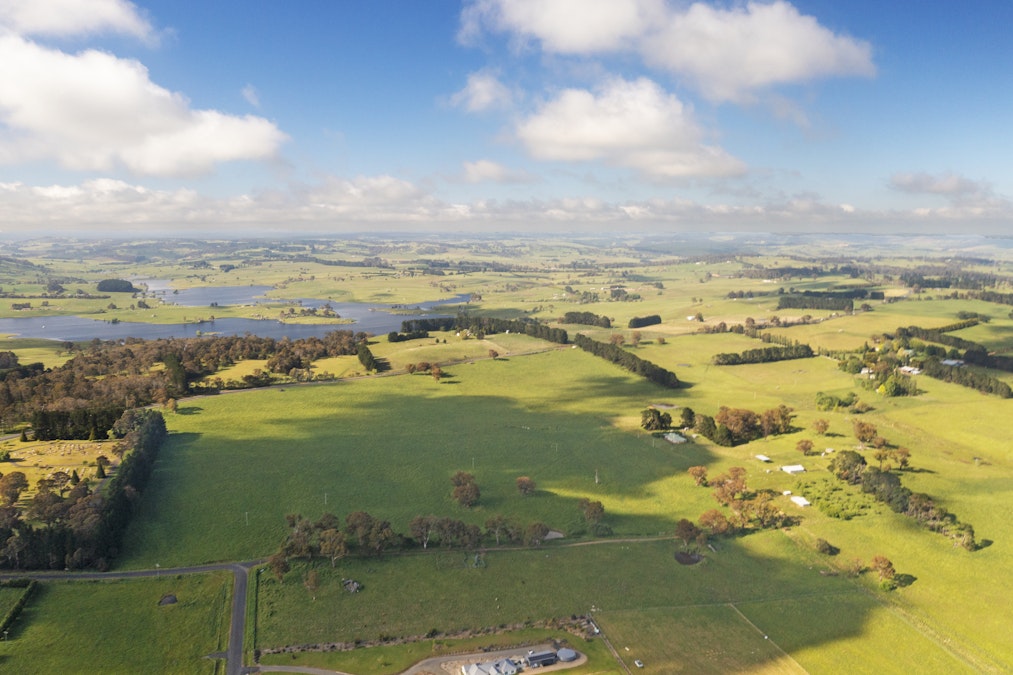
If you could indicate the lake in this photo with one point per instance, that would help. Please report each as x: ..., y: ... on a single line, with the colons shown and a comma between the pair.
x: 376, y: 319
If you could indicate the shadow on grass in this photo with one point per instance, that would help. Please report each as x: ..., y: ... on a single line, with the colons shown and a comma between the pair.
x: 189, y: 410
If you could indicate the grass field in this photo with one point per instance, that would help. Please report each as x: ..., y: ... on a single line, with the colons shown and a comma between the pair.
x: 41, y: 459
x: 236, y: 464
x: 119, y: 627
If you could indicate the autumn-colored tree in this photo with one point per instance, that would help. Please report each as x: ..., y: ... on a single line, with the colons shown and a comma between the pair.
x: 686, y: 531
x: 729, y: 486
x: 617, y: 339
x: 593, y: 511
x: 864, y: 431
x: 278, y: 565
x: 699, y: 474
x: 423, y: 528
x: 821, y: 426
x: 500, y: 526
x: 436, y: 372
x: 660, y: 339
x: 493, y: 354
x: 714, y: 522
x: 467, y: 495
x: 804, y: 446
x: 635, y: 338
x: 535, y: 533
x: 525, y: 485
x: 903, y: 458
x: 882, y: 566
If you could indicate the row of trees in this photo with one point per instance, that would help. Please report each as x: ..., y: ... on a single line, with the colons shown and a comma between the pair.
x: 764, y: 355
x: 628, y: 360
x: 641, y: 321
x: 586, y: 319
x: 836, y: 303
x: 68, y: 525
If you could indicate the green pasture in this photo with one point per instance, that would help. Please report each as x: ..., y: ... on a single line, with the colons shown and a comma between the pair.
x: 32, y: 350
x: 119, y: 627
x: 389, y: 446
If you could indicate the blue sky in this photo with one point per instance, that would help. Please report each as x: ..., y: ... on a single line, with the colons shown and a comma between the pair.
x: 338, y: 116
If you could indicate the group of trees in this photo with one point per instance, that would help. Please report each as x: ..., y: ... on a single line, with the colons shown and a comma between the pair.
x: 732, y: 426
x: 837, y: 302
x: 586, y: 319
x: 68, y: 525
x: 466, y: 492
x: 118, y: 375
x: 750, y: 509
x: 764, y: 355
x: 885, y: 486
x: 641, y: 321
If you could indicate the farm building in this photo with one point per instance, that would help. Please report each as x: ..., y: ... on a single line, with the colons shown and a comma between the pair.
x: 566, y: 655
x: 675, y: 438
x: 801, y: 501
x: 501, y: 667
x: 763, y: 458
x: 793, y: 469
x: 536, y: 659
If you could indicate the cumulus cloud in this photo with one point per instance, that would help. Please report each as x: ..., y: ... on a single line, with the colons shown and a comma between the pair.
x: 94, y: 111
x: 727, y: 54
x: 61, y: 18
x: 632, y: 124
x: 485, y: 170
x: 483, y: 91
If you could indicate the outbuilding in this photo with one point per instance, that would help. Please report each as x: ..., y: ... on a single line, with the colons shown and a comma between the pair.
x: 536, y: 659
x: 793, y: 469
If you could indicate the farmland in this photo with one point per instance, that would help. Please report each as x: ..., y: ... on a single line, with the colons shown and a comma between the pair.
x: 510, y: 405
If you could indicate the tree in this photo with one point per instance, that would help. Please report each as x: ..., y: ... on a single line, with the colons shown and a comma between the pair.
x: 466, y: 490
x: 535, y: 533
x: 423, y: 528
x: 525, y: 485
x: 714, y: 522
x: 687, y: 418
x: 686, y: 531
x: 848, y: 465
x: 493, y: 354
x: 467, y: 495
x: 903, y: 458
x: 617, y: 339
x: 804, y: 446
x: 660, y: 340
x: 332, y: 544
x: 699, y: 474
x: 864, y: 431
x: 11, y: 486
x: 635, y: 338
x: 653, y: 419
x: 24, y: 436
x: 436, y: 372
x: 821, y: 426
x: 593, y: 511
x: 278, y: 565
x: 882, y: 566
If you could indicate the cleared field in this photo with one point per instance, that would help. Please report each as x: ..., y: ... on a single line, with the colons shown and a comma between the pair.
x: 41, y: 459
x: 119, y: 627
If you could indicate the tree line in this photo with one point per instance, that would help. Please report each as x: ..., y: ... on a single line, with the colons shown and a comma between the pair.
x: 587, y: 319
x: 628, y: 360
x: 764, y: 355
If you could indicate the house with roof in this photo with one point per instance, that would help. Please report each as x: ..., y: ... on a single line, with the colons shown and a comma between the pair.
x: 500, y: 667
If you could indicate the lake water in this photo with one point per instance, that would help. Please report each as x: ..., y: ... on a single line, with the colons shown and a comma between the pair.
x: 376, y: 319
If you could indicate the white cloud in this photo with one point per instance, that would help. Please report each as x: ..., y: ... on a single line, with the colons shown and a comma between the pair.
x: 484, y: 91
x: 728, y: 54
x: 94, y: 111
x: 250, y: 94
x: 631, y: 124
x: 61, y: 18
x: 485, y: 170
x: 948, y: 185
x: 563, y: 26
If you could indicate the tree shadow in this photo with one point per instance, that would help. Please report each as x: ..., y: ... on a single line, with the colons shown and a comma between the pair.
x: 904, y: 580
x: 189, y: 410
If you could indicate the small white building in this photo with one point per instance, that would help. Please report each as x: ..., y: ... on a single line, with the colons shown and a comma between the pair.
x: 501, y: 667
x: 799, y: 500
x: 793, y: 469
x: 675, y: 438
x: 763, y: 458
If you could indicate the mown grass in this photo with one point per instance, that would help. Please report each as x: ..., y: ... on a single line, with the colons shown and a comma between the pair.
x: 119, y: 627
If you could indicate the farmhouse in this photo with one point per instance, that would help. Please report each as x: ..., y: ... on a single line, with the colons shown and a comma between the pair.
x: 793, y: 469
x: 501, y: 667
x: 536, y: 659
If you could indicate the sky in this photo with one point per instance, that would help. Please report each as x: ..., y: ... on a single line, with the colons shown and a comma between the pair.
x: 331, y: 117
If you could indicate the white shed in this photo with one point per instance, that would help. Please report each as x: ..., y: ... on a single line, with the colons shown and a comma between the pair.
x: 793, y: 469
